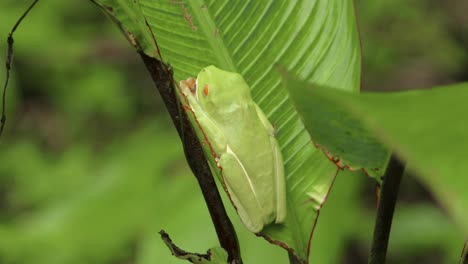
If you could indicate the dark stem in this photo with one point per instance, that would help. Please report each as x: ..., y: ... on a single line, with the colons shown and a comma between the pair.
x: 387, y: 201
x: 162, y: 77
x: 464, y: 254
x: 293, y: 259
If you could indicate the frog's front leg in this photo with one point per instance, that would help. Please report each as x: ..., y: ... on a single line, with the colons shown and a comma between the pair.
x: 214, y: 135
x: 266, y: 123
x: 242, y: 192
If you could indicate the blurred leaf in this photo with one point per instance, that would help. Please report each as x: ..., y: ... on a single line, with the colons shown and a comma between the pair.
x: 423, y: 127
x: 419, y: 228
x: 97, y: 89
x: 340, y: 134
x: 386, y: 29
x: 422, y: 228
x: 319, y: 43
x: 36, y: 184
x: 101, y: 217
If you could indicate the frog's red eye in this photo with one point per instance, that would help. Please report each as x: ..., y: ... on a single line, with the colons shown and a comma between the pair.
x: 205, y: 90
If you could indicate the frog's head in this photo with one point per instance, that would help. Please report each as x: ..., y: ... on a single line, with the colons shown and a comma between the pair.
x: 218, y: 89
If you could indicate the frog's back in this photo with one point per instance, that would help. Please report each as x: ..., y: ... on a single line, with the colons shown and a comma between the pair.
x: 251, y: 143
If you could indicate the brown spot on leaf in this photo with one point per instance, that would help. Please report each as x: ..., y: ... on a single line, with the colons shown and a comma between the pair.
x: 108, y: 8
x: 131, y: 38
x: 188, y: 18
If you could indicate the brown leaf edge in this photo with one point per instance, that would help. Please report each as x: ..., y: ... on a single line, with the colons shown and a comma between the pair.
x: 336, y: 159
x: 293, y: 256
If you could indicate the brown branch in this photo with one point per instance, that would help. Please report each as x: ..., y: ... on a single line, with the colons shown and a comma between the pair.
x: 293, y: 259
x: 163, y: 79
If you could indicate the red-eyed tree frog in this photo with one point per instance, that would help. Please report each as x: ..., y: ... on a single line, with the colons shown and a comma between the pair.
x: 242, y: 144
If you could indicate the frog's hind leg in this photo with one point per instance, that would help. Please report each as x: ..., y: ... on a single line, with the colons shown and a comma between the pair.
x: 279, y: 181
x: 242, y: 192
x: 278, y: 169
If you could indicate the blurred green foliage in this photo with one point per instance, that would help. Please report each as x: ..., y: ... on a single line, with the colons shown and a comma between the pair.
x: 91, y: 169
x: 420, y: 126
x: 412, y: 44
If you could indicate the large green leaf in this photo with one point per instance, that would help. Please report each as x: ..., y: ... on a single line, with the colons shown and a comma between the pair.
x: 345, y: 140
x: 426, y: 128
x: 317, y: 40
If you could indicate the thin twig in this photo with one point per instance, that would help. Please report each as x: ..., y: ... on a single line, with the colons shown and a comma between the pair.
x: 182, y: 254
x: 388, y: 198
x: 9, y: 61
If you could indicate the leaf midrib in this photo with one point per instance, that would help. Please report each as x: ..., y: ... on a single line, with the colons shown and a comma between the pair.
x: 208, y: 26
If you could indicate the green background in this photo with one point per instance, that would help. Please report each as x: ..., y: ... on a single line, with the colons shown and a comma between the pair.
x: 91, y: 167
